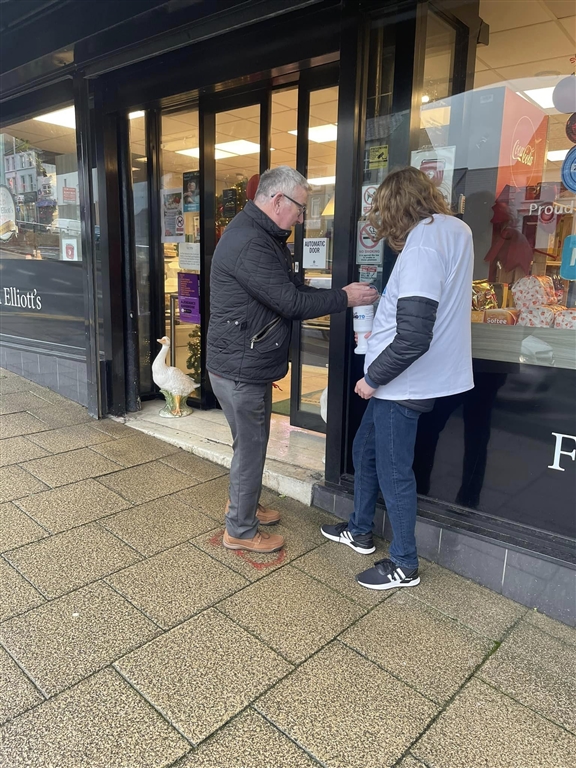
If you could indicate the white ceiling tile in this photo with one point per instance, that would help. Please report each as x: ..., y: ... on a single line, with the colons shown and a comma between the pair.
x: 526, y: 44
x: 287, y: 99
x: 486, y: 77
x: 510, y: 14
x: 536, y: 68
x: 569, y: 25
x: 560, y: 8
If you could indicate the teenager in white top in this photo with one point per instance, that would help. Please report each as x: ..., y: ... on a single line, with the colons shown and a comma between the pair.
x: 419, y: 349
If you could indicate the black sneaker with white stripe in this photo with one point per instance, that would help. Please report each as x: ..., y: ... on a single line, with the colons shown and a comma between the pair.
x: 363, y: 543
x: 388, y: 575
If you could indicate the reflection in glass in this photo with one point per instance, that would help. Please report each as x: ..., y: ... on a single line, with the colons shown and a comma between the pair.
x: 142, y: 248
x: 318, y: 234
x: 237, y: 155
x: 39, y: 178
x: 180, y: 200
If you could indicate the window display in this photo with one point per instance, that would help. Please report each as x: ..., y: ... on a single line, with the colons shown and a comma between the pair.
x: 509, y: 138
x: 40, y: 206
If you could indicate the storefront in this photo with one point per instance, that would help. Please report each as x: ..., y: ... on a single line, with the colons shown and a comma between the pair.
x: 126, y: 155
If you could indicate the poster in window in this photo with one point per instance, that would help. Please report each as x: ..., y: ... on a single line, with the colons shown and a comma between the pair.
x: 229, y: 202
x: 172, y: 216
x: 188, y: 298
x: 191, y: 191
x: 438, y: 165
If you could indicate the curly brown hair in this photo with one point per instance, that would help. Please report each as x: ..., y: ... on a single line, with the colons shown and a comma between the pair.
x: 405, y: 198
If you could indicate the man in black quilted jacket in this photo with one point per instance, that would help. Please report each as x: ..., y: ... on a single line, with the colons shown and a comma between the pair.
x: 254, y: 297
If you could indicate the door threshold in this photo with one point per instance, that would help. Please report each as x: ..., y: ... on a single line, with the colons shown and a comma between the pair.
x: 295, y: 457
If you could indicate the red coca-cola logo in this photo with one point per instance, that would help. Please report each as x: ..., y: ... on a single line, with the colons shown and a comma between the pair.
x: 523, y: 152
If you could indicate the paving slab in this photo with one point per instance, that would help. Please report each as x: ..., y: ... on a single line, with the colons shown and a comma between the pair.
x: 202, y: 673
x: 157, y: 525
x: 539, y: 671
x: 70, y: 467
x: 477, y: 607
x: 411, y: 762
x: 65, y: 640
x: 551, y: 627
x: 16, y: 594
x: 114, y: 429
x: 420, y: 645
x: 133, y: 450
x: 16, y: 482
x: 208, y: 497
x: 69, y: 438
x: 17, y: 693
x: 174, y: 585
x: 100, y: 723
x: 344, y: 710
x: 146, y: 482
x: 248, y: 741
x: 63, y: 415
x: 14, y: 450
x: 193, y: 465
x: 71, y: 559
x: 292, y: 613
x: 249, y: 565
x: 15, y: 424
x: 16, y: 528
x: 337, y: 565
x: 72, y: 505
x: 20, y: 401
x: 483, y: 727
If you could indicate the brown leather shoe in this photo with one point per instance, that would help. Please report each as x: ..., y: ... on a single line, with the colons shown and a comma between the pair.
x: 264, y: 515
x: 261, y: 543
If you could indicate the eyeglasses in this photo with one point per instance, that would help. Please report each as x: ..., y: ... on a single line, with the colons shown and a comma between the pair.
x: 301, y: 208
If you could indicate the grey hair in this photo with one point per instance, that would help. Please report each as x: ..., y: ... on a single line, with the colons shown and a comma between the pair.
x: 281, y: 179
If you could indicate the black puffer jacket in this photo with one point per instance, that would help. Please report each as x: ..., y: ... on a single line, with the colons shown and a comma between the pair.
x: 254, y: 296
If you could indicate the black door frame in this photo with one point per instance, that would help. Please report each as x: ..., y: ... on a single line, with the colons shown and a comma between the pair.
x: 408, y: 29
x: 311, y: 80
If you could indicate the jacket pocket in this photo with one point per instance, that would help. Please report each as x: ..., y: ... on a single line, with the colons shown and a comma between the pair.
x: 271, y: 337
x: 263, y: 333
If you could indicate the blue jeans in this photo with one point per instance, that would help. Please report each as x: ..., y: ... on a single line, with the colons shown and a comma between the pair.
x: 383, y: 454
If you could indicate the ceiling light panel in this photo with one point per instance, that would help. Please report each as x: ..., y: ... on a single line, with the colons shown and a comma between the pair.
x: 239, y: 147
x: 322, y: 181
x: 321, y: 133
x: 557, y: 155
x: 542, y: 97
x: 63, y: 117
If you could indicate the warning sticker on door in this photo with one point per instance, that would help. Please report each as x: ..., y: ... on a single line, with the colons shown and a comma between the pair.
x: 378, y: 157
x: 368, y: 192
x: 368, y: 249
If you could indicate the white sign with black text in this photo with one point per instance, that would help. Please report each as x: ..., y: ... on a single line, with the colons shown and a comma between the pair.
x: 369, y: 250
x: 315, y: 252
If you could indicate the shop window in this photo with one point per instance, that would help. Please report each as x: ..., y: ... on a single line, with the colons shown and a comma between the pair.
x: 503, y: 153
x: 40, y: 216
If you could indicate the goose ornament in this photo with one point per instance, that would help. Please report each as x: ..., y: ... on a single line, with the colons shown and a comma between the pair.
x: 174, y: 384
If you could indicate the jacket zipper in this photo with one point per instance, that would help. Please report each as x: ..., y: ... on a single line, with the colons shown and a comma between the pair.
x: 264, y: 332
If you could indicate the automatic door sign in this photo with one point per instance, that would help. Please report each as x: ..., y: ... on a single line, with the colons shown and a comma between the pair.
x: 368, y: 192
x: 314, y: 253
x: 368, y: 249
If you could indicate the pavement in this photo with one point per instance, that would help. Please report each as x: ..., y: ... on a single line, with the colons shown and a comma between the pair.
x: 129, y: 638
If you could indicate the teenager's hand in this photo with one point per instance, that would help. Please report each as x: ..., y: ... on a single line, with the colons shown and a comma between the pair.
x: 363, y: 390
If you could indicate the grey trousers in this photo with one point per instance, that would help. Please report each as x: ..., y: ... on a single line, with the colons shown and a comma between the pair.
x: 248, y: 408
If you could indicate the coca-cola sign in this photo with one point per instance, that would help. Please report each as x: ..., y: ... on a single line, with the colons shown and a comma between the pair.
x: 523, y: 151
x: 523, y: 143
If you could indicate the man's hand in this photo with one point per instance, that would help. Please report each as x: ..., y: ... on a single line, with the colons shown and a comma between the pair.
x: 360, y: 294
x: 366, y: 336
x: 363, y: 390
